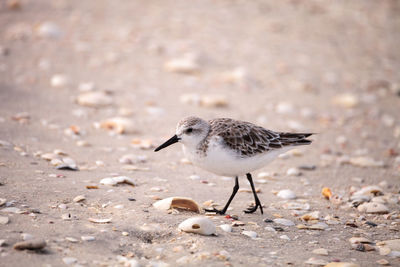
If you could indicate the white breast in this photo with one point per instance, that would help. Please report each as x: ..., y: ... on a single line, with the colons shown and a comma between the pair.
x: 223, y: 161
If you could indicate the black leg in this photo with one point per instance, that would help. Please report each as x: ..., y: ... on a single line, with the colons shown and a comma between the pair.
x: 235, y: 189
x: 258, y: 203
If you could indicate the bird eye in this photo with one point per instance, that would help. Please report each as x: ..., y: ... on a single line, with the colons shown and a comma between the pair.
x: 189, y: 130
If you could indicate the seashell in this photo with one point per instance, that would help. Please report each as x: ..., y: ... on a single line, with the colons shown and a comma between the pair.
x: 326, y: 192
x: 250, y: 234
x: 117, y: 180
x: 293, y: 172
x: 79, y: 198
x: 226, y: 227
x: 187, y: 64
x: 310, y: 216
x: 198, y: 225
x: 94, y: 99
x: 118, y: 125
x: 67, y: 164
x: 358, y: 240
x: 96, y: 220
x: 368, y: 190
x: 177, y: 203
x: 374, y: 208
x: 286, y: 194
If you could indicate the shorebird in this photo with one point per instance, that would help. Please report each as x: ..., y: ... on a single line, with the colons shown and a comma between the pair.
x: 230, y: 147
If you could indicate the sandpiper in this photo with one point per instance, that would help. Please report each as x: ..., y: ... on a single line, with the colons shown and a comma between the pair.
x: 230, y: 147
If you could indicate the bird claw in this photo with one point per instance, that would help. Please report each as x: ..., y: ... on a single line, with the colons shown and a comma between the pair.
x: 252, y: 209
x: 220, y: 212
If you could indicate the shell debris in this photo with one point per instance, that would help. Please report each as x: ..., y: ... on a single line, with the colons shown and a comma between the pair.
x: 198, y: 225
x: 182, y: 203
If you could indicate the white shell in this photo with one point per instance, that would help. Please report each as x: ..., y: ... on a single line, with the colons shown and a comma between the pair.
x: 198, y: 225
x: 250, y: 234
x: 226, y: 227
x: 368, y: 190
x: 293, y: 172
x: 117, y: 180
x: 286, y: 194
x: 178, y: 203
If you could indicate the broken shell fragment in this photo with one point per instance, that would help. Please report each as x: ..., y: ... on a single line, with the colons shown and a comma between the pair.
x: 326, y: 192
x: 117, y: 180
x: 198, y: 225
x: 118, y: 125
x: 177, y: 203
x: 96, y: 220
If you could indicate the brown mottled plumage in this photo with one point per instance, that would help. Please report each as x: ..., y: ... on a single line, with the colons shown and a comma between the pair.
x: 248, y: 139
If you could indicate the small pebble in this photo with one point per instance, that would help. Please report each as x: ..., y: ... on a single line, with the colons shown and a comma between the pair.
x: 30, y: 244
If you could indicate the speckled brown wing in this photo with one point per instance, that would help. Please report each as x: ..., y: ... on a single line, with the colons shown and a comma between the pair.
x: 248, y: 139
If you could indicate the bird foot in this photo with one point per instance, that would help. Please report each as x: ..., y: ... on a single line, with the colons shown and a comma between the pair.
x: 253, y: 208
x: 220, y: 212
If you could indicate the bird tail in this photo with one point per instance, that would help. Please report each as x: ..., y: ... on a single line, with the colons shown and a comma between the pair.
x: 295, y: 139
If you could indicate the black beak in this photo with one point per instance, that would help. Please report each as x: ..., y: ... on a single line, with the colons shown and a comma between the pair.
x: 169, y: 142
